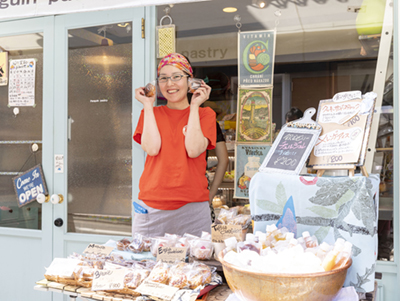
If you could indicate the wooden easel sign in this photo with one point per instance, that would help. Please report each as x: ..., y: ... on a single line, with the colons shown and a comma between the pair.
x: 293, y: 145
x: 345, y: 120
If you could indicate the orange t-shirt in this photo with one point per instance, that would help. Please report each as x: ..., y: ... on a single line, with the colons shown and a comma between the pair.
x: 171, y: 179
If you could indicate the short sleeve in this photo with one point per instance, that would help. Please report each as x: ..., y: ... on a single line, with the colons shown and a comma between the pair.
x: 208, y: 125
x: 220, y: 135
x: 137, y: 136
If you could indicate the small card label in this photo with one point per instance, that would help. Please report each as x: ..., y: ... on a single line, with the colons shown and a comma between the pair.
x: 108, y: 279
x: 171, y: 254
x: 98, y: 250
x: 221, y: 232
x: 159, y: 290
x: 59, y: 163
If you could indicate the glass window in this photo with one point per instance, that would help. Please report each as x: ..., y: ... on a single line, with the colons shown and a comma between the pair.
x: 100, y: 118
x: 18, y: 132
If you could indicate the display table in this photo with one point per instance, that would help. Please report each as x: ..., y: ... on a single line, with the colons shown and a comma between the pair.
x: 220, y: 293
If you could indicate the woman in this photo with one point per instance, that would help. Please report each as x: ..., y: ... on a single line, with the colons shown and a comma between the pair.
x: 173, y: 195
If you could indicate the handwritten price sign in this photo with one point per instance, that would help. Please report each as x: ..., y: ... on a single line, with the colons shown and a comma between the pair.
x: 155, y: 289
x: 170, y: 255
x: 108, y: 279
x: 221, y: 232
x: 292, y: 146
x: 98, y: 250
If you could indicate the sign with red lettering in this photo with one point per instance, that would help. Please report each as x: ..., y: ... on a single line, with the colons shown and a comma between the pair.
x: 345, y: 122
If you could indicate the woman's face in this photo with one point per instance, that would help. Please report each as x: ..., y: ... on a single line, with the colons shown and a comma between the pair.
x: 173, y: 91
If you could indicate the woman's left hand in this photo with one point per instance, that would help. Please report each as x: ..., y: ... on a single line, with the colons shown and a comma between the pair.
x: 201, y: 94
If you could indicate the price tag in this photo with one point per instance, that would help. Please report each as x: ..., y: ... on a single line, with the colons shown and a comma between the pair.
x: 62, y: 266
x: 221, y: 232
x: 159, y: 290
x: 98, y: 250
x: 108, y: 279
x: 170, y: 255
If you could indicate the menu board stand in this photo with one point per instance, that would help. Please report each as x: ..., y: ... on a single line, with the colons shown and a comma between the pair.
x: 346, y: 123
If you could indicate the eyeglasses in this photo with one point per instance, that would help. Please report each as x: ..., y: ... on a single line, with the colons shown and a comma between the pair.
x: 174, y: 78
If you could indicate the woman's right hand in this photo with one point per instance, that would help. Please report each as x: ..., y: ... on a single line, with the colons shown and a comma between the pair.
x: 141, y: 96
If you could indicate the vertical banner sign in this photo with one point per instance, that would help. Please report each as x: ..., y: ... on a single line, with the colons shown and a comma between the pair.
x: 254, y: 115
x: 21, y: 89
x: 3, y: 68
x: 256, y: 55
x: 29, y: 185
x: 248, y: 160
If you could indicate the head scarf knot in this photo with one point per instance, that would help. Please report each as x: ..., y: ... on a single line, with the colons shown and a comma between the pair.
x: 177, y: 60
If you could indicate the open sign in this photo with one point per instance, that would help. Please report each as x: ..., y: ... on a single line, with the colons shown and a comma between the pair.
x: 29, y: 185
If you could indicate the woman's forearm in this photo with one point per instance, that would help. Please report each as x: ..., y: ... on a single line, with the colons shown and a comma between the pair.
x: 195, y: 142
x: 151, y: 139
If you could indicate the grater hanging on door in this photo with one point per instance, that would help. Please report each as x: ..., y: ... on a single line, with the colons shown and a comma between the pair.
x: 165, y: 38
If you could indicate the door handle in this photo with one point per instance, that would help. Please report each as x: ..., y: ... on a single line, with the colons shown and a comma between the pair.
x: 41, y: 198
x: 58, y: 222
x: 56, y: 199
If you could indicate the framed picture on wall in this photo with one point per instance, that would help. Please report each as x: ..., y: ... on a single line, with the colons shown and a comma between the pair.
x: 254, y: 115
x: 256, y: 55
x: 248, y: 160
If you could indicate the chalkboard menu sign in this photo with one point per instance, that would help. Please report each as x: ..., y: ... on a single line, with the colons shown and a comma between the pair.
x: 293, y: 145
x: 29, y: 185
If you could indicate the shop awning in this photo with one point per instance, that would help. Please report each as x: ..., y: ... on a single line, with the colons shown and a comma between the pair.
x: 13, y: 9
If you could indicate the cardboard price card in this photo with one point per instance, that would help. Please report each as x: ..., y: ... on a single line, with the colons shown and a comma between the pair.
x: 108, y: 279
x: 221, y: 232
x: 158, y: 290
x: 171, y: 254
x: 98, y: 250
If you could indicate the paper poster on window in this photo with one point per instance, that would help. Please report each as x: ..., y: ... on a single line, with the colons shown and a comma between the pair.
x: 345, y: 129
x: 256, y: 55
x: 254, y: 115
x: 21, y: 88
x: 248, y: 160
x: 3, y: 68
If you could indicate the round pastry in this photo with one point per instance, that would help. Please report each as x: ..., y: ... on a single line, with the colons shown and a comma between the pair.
x: 179, y: 280
x: 194, y: 84
x: 123, y: 244
x: 159, y: 275
x: 149, y: 90
x: 136, y: 246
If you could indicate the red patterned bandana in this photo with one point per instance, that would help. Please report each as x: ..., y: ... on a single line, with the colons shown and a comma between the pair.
x: 177, y: 60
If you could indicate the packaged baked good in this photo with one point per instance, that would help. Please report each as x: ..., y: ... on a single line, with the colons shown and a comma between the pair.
x: 201, y: 249
x: 225, y: 215
x: 199, y: 275
x: 159, y: 273
x: 241, y: 219
x: 158, y: 242
x: 193, y: 84
x: 137, y: 244
x: 123, y: 244
x: 147, y: 244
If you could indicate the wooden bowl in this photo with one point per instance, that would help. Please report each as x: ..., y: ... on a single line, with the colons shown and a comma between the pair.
x: 258, y: 286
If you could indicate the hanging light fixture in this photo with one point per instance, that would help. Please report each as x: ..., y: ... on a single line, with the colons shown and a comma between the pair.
x: 104, y: 41
x: 259, y: 3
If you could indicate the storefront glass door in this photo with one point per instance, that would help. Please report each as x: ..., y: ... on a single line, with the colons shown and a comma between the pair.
x: 95, y: 59
x: 26, y: 94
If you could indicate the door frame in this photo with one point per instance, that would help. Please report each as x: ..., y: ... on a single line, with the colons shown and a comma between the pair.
x: 65, y: 243
x: 44, y: 25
